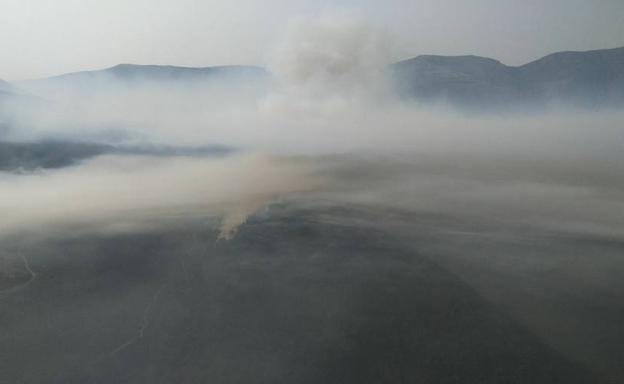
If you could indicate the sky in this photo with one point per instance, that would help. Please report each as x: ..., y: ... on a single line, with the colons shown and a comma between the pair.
x: 40, y: 38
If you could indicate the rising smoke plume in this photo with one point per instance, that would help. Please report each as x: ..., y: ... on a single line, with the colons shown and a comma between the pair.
x: 118, y: 193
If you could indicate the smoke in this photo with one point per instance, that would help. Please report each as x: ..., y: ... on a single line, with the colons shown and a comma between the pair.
x: 329, y: 131
x: 121, y: 193
x: 552, y: 197
x: 237, y: 217
x: 329, y: 93
x: 325, y: 64
x: 324, y: 71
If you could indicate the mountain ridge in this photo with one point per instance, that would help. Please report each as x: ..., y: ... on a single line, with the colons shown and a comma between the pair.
x: 129, y: 70
x: 588, y: 79
x: 131, y: 75
x: 579, y: 78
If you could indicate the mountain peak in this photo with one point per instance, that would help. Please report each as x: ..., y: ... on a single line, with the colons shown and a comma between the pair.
x: 588, y: 79
x: 464, y: 58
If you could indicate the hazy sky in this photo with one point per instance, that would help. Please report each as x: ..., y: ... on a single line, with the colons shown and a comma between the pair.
x: 45, y: 37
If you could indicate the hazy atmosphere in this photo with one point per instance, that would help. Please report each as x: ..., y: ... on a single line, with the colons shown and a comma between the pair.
x: 42, y: 38
x: 311, y: 192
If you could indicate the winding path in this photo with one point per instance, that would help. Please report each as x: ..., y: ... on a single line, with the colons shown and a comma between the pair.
x: 33, y: 276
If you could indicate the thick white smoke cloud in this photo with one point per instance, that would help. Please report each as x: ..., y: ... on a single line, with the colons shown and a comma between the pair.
x: 325, y: 64
x: 330, y: 94
x: 118, y: 193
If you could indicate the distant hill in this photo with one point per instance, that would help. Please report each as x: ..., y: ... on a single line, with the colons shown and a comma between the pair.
x: 30, y: 156
x: 6, y: 89
x: 50, y: 154
x: 586, y: 79
x: 133, y: 72
x: 6, y: 93
x: 10, y: 96
x: 591, y: 79
x: 10, y: 92
x: 132, y: 75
